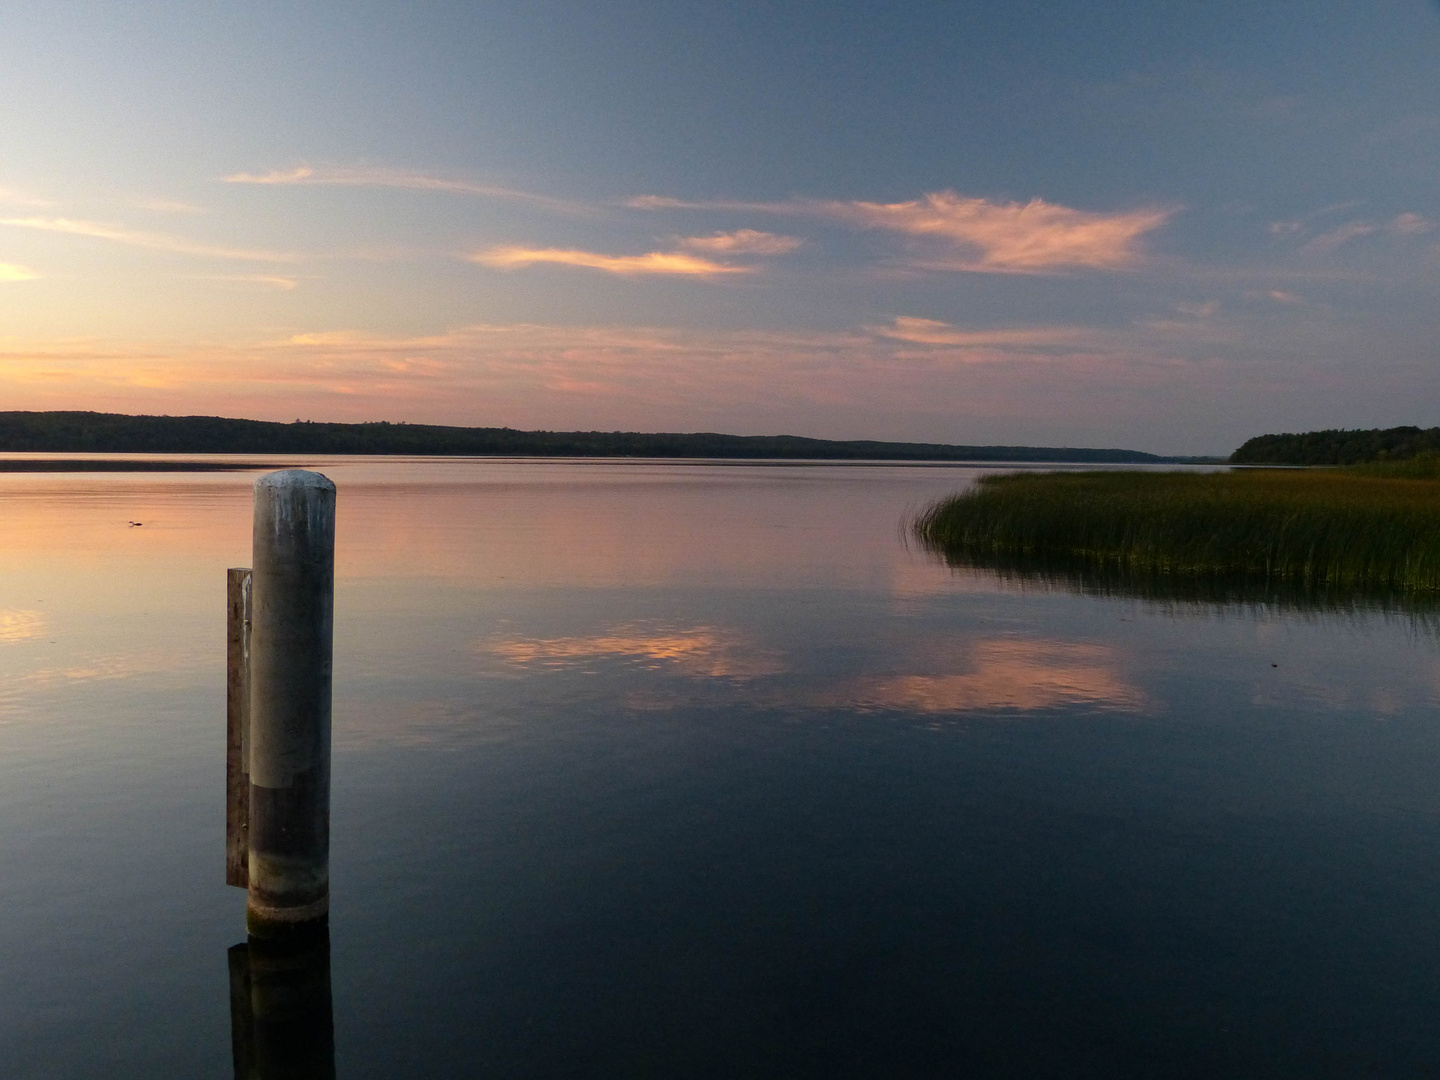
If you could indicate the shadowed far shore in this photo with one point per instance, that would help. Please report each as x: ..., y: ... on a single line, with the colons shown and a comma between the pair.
x: 1322, y: 540
x: 71, y: 465
x: 115, y: 433
x: 1339, y: 446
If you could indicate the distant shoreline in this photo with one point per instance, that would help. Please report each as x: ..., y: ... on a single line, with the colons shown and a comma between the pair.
x: 66, y: 465
x: 176, y: 465
x: 92, y: 432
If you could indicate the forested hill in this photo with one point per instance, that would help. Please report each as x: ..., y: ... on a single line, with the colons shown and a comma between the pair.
x: 1338, y: 447
x: 90, y: 432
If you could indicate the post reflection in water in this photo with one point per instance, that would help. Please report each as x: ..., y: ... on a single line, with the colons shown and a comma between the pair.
x: 281, y: 1021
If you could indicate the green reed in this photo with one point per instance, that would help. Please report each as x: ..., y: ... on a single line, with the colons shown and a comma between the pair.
x: 1373, y: 529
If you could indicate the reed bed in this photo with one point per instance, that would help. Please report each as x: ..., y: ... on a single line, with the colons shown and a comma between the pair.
x: 1372, y: 530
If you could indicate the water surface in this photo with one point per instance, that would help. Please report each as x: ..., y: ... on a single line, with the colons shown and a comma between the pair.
x: 679, y: 769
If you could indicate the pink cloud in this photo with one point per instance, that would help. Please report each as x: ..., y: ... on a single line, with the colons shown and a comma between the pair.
x: 1009, y: 237
x: 653, y: 262
x: 743, y: 241
x: 975, y: 234
x: 934, y: 332
x: 1411, y: 225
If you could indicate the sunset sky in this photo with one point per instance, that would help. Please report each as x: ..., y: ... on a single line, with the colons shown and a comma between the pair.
x: 1166, y: 226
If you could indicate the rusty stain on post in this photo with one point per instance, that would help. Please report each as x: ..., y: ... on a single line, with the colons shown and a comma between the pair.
x: 237, y: 729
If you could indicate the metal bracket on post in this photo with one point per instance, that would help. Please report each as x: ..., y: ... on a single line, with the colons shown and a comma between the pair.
x: 237, y: 729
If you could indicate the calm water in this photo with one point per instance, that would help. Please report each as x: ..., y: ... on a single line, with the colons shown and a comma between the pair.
x: 697, y: 771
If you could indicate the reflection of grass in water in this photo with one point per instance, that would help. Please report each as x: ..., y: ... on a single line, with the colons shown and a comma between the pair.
x: 1047, y: 574
x: 1314, y: 538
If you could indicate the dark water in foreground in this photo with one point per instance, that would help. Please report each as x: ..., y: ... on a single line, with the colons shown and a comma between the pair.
x: 681, y: 770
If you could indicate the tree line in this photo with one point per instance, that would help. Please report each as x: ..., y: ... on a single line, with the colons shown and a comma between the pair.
x: 1339, y: 446
x: 93, y: 432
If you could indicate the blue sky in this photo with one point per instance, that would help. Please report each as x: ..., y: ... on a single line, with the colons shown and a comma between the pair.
x: 1166, y: 226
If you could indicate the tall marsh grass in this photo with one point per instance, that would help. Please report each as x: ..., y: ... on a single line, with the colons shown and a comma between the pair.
x: 1373, y: 530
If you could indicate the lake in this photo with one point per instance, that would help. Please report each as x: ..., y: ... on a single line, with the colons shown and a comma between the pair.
x: 648, y: 769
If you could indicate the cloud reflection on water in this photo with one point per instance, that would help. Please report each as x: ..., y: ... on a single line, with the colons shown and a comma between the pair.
x: 698, y: 652
x: 998, y: 673
x: 1006, y: 673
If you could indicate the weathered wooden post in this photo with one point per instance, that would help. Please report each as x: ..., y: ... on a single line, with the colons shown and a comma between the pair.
x: 237, y: 728
x: 292, y: 600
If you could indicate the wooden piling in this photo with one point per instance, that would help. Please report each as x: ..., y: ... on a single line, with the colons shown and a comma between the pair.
x: 291, y: 646
x: 237, y: 729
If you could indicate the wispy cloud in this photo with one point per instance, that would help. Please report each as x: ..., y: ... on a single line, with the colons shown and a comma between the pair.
x: 743, y: 242
x: 653, y: 262
x: 402, y: 179
x: 1405, y: 226
x: 1411, y: 225
x: 20, y: 625
x: 1328, y: 241
x: 1010, y: 237
x: 168, y: 206
x: 274, y: 281
x: 152, y: 241
x: 20, y: 198
x: 665, y: 202
x: 975, y: 234
x: 934, y: 332
x: 1278, y: 296
x: 945, y: 230
x: 1302, y: 223
x: 15, y: 272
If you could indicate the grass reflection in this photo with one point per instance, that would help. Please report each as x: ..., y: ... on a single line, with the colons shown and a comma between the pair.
x: 1065, y: 572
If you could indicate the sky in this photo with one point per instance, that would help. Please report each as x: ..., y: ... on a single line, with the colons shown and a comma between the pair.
x: 1116, y: 223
